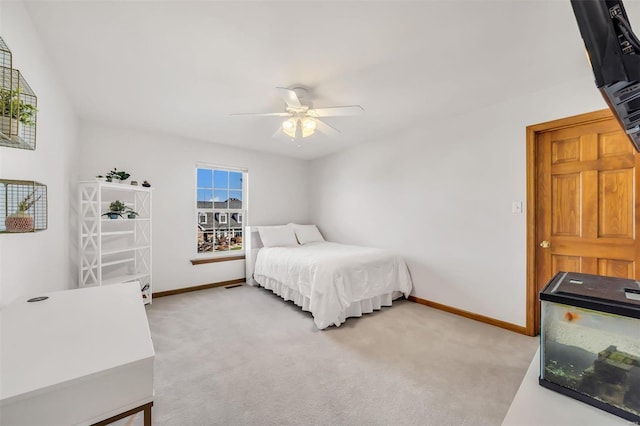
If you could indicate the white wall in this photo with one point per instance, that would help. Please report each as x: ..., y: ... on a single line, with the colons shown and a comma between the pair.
x: 277, y: 193
x: 440, y: 194
x: 39, y: 262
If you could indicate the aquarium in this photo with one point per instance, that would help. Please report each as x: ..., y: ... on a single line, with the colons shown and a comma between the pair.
x: 590, y: 341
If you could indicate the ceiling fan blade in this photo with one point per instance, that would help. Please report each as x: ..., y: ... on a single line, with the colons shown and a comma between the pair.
x: 326, y: 129
x: 337, y: 111
x: 290, y: 97
x: 264, y: 114
x: 279, y: 134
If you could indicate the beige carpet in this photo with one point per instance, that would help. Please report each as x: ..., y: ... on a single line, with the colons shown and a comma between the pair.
x: 243, y: 356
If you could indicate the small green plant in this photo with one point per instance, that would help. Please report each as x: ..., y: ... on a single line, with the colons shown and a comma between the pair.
x: 131, y: 214
x: 12, y: 106
x: 116, y: 208
x: 28, y: 202
x: 120, y: 175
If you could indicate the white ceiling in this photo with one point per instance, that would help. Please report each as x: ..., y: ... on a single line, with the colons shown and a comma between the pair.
x: 182, y: 67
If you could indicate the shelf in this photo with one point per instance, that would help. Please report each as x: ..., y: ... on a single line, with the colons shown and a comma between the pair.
x: 115, y: 250
x: 122, y: 219
x: 111, y: 263
x: 111, y: 233
x: 124, y: 278
x: 121, y: 186
x: 119, y: 250
x: 123, y: 250
x: 117, y: 262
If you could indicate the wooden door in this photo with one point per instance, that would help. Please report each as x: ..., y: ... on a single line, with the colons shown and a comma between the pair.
x: 585, y: 202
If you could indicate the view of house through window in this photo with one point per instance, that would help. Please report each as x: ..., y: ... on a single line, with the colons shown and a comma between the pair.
x: 220, y: 209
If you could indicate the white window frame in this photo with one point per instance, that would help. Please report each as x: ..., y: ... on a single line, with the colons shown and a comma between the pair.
x: 200, y: 216
x: 243, y: 213
x: 222, y: 219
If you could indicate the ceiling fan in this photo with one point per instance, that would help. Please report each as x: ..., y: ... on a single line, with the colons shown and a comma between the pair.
x: 302, y: 120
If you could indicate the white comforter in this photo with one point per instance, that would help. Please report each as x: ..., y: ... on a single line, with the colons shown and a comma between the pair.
x: 333, y: 276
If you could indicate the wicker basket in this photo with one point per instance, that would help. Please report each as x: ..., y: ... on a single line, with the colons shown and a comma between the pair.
x: 19, y: 222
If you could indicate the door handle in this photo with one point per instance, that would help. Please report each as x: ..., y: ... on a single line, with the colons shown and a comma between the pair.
x: 545, y: 244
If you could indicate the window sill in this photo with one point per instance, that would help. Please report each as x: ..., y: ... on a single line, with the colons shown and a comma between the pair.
x: 216, y: 259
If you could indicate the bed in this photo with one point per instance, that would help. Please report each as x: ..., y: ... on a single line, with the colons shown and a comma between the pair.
x: 332, y: 281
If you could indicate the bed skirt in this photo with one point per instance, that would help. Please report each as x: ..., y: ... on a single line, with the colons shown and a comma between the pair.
x: 356, y: 309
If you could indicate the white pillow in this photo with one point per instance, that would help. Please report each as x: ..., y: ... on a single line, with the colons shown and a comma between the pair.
x: 277, y: 236
x: 307, y: 233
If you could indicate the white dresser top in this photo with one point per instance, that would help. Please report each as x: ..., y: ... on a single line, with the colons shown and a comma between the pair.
x: 70, y: 336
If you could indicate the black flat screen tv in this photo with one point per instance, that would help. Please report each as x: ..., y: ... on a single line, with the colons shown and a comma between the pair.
x: 614, y: 52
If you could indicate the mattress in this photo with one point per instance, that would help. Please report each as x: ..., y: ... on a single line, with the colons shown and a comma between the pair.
x: 333, y: 281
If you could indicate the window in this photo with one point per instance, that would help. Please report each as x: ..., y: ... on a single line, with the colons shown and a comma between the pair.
x: 220, y: 205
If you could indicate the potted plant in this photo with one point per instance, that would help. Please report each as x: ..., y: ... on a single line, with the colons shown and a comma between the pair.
x: 131, y: 214
x: 116, y: 208
x: 21, y: 221
x: 14, y: 110
x: 117, y: 176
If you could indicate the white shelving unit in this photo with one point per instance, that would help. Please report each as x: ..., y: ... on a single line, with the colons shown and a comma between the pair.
x: 115, y: 250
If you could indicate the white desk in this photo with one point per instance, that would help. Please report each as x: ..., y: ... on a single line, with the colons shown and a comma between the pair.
x: 534, y: 405
x: 80, y: 357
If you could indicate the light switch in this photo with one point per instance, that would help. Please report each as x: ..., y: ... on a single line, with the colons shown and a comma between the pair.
x: 516, y: 207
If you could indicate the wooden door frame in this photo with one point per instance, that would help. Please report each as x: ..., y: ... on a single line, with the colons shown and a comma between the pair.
x: 532, y: 327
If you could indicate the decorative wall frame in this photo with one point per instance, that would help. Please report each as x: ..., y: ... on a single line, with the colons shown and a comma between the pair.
x: 6, y: 64
x: 23, y: 206
x: 18, y: 105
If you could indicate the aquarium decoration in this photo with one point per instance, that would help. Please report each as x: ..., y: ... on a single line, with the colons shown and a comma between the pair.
x: 590, y: 341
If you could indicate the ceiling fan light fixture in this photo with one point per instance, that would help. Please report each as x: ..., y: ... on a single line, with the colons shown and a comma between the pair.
x: 301, y: 119
x: 309, y: 123
x: 308, y: 127
x: 289, y: 127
